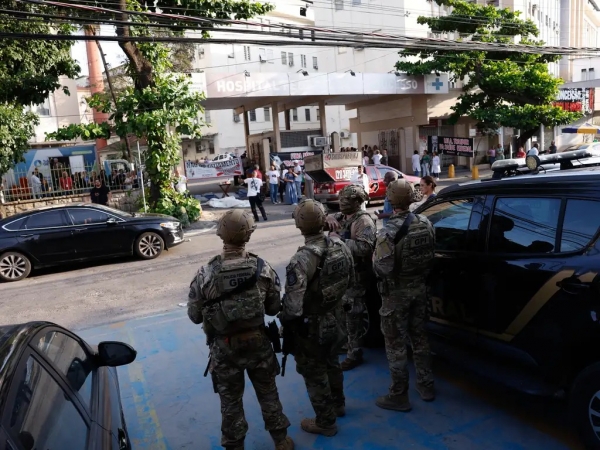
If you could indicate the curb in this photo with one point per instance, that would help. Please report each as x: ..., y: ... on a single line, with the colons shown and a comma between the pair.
x: 192, y: 233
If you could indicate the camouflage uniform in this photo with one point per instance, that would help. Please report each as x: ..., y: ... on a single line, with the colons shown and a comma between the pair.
x: 359, y: 232
x: 234, y: 325
x: 316, y: 278
x: 402, y: 269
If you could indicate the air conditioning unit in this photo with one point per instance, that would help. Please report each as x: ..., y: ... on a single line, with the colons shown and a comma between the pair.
x: 344, y: 134
x: 319, y: 142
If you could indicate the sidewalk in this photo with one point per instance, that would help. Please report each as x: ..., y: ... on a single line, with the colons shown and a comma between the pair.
x: 461, y: 176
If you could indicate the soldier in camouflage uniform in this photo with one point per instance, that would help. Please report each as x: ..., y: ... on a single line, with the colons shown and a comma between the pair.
x: 358, y: 231
x: 230, y: 296
x: 403, y: 256
x: 316, y: 279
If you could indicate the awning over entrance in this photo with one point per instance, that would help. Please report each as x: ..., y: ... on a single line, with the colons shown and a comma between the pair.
x: 247, y: 91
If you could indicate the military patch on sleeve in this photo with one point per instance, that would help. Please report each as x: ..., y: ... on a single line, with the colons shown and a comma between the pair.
x: 291, y: 278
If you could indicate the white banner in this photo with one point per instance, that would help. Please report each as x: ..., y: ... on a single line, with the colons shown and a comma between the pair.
x: 216, y: 169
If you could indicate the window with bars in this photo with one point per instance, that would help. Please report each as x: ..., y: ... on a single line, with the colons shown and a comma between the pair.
x: 307, y: 114
x: 315, y: 62
x: 267, y: 111
x: 291, y: 59
x: 295, y: 114
x: 318, y: 113
x: 339, y: 4
x: 207, y: 118
x: 252, y: 115
x: 591, y: 74
x: 246, y: 53
x: 283, y: 58
x: 303, y: 60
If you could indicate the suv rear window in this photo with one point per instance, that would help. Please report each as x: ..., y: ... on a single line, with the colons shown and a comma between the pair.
x: 582, y: 218
x: 524, y: 225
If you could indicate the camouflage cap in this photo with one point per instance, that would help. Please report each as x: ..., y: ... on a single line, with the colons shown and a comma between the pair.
x: 400, y: 193
x: 351, y: 197
x: 309, y: 216
x: 235, y: 227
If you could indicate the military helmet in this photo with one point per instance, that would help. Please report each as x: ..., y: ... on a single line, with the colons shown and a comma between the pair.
x: 235, y: 227
x: 309, y: 216
x: 400, y: 193
x: 351, y: 197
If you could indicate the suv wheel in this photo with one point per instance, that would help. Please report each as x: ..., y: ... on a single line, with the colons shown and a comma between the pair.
x: 14, y: 266
x: 584, y: 405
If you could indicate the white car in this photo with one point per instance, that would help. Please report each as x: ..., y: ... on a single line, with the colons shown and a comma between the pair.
x: 224, y: 157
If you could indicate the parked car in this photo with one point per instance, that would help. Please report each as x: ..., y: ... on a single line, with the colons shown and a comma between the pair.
x: 80, y: 232
x: 328, y: 192
x: 58, y: 392
x: 515, y: 286
x: 224, y: 157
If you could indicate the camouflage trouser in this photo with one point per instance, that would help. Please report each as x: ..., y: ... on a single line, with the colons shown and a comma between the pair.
x: 230, y: 360
x: 406, y: 320
x: 323, y: 377
x: 355, y: 326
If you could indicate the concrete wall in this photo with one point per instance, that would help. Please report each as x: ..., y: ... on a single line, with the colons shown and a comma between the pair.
x: 123, y: 200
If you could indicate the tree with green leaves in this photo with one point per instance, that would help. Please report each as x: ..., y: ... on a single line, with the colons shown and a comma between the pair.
x: 29, y: 72
x: 157, y: 105
x: 510, y: 89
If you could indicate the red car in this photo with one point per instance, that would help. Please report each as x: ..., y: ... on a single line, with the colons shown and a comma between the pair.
x: 328, y: 191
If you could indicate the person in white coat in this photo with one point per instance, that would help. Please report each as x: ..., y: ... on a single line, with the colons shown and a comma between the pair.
x: 416, y: 163
x: 436, y: 166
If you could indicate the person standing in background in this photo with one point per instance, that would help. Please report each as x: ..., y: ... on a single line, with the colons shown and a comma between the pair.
x: 376, y: 157
x: 273, y: 176
x: 36, y: 184
x: 425, y: 163
x: 254, y: 185
x: 552, y: 148
x: 384, y: 157
x: 499, y: 153
x: 492, y: 156
x: 181, y: 182
x: 436, y: 166
x: 290, y: 186
x: 416, y: 163
x: 298, y: 182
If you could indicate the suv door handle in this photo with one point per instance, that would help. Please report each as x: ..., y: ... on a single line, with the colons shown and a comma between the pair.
x: 572, y: 285
x: 25, y: 235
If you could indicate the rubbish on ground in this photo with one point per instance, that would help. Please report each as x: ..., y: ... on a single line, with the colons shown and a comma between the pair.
x: 228, y: 202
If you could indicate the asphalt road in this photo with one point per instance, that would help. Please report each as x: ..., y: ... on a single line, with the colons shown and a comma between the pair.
x: 83, y: 296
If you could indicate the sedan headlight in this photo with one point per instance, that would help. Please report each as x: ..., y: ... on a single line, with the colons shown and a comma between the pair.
x: 170, y: 225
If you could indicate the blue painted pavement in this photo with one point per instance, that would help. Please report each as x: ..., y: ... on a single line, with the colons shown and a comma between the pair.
x: 169, y: 404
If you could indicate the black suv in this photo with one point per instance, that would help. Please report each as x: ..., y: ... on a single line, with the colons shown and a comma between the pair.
x: 515, y: 290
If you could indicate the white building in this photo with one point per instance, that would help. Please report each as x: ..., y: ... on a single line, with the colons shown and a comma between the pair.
x: 225, y: 128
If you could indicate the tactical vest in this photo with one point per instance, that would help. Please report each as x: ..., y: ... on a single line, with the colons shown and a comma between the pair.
x: 330, y: 281
x: 415, y: 251
x: 232, y: 297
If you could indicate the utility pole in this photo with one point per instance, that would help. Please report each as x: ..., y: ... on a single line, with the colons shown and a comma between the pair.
x: 96, y: 83
x: 112, y: 93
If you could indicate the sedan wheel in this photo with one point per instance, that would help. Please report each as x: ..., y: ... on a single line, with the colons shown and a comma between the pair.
x: 149, y: 245
x: 14, y: 266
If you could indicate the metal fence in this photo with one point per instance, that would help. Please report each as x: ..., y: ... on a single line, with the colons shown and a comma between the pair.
x: 50, y: 182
